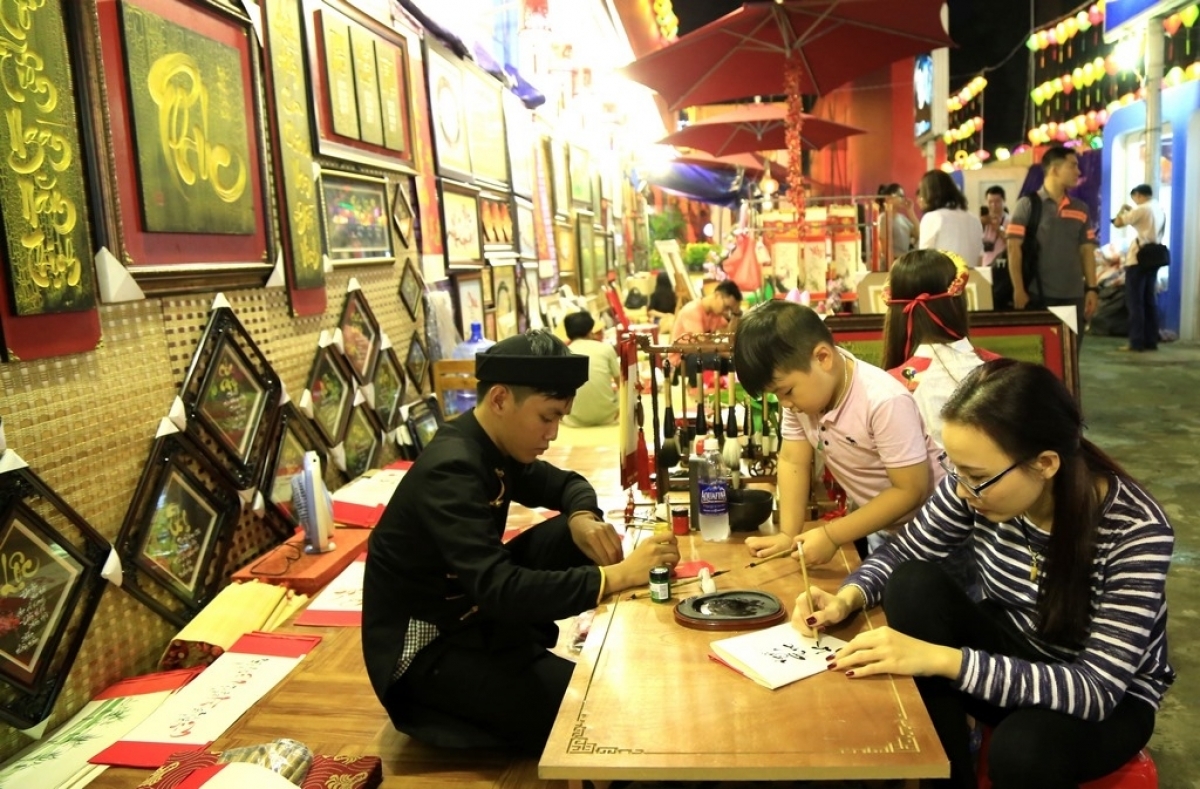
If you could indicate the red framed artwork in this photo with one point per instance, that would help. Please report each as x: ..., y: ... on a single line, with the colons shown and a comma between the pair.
x: 428, y: 211
x: 359, y: 71
x: 188, y: 166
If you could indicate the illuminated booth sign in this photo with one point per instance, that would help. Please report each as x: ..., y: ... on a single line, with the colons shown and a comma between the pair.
x: 1121, y: 16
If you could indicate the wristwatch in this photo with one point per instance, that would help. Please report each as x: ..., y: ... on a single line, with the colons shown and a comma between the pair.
x: 1091, y: 289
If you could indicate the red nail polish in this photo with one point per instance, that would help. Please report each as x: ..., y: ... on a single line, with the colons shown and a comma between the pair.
x: 812, y: 620
x: 832, y: 666
x: 830, y: 658
x: 849, y: 673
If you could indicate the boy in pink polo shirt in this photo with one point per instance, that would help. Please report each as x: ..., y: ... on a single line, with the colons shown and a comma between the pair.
x: 863, y: 421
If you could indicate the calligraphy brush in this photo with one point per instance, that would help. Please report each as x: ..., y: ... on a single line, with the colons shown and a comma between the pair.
x: 668, y: 454
x: 751, y: 438
x: 732, y: 452
x: 643, y: 456
x: 718, y: 424
x: 773, y: 556
x: 808, y: 591
x: 674, y: 583
x: 684, y: 435
x: 701, y: 422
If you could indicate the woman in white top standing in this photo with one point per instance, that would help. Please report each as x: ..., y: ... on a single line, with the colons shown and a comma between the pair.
x: 946, y: 223
x: 903, y: 230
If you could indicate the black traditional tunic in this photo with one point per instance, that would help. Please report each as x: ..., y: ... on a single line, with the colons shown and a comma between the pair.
x: 438, y: 573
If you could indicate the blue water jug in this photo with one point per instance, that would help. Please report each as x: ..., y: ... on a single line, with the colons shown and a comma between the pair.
x: 459, y: 401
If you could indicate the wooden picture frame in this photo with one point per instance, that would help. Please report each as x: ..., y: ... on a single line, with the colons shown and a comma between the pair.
x: 360, y: 99
x: 505, y: 279
x: 519, y: 131
x: 361, y: 335
x: 186, y: 253
x: 356, y: 218
x: 485, y: 118
x: 416, y: 362
x: 460, y: 209
x: 564, y: 247
x: 230, y: 395
x: 560, y: 178
x: 489, y: 325
x: 331, y: 384
x: 411, y: 289
x: 585, y: 251
x: 403, y: 216
x: 52, y: 587
x: 292, y: 436
x: 496, y: 222
x: 487, y: 286
x: 391, y: 384
x: 581, y: 177
x: 363, y: 441
x: 600, y: 258
x: 447, y: 111
x: 469, y: 299
x: 531, y: 296
x: 526, y: 227
x: 1037, y: 336
x: 177, y: 531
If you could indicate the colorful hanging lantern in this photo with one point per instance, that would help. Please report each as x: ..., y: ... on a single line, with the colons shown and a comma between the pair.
x: 1172, y: 24
x: 1189, y: 16
x: 1082, y: 22
x: 1032, y: 42
x: 1068, y: 84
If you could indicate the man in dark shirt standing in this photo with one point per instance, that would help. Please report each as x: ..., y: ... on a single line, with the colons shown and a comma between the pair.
x: 1066, y: 267
x: 457, y: 624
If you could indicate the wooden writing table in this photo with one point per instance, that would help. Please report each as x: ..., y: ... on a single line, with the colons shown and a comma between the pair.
x: 646, y: 703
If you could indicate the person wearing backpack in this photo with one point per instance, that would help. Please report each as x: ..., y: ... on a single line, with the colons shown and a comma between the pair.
x: 1051, y: 244
x: 1141, y: 275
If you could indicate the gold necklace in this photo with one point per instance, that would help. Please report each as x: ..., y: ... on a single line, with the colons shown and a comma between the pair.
x: 1035, y: 557
x: 845, y: 386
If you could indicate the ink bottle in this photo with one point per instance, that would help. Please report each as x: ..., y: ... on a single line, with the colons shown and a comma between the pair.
x: 660, y: 584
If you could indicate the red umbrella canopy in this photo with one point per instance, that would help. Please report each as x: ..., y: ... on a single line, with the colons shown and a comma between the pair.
x: 750, y: 162
x: 743, y: 53
x: 756, y: 127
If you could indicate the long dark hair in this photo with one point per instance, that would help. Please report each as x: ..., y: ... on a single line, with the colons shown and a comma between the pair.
x: 914, y: 273
x: 887, y: 190
x: 662, y: 299
x: 1027, y: 410
x: 938, y: 190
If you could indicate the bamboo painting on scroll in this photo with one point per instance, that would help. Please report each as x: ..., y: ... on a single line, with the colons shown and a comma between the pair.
x: 43, y: 199
x: 190, y: 129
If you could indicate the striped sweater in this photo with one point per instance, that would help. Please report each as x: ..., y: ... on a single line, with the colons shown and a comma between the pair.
x: 1126, y: 645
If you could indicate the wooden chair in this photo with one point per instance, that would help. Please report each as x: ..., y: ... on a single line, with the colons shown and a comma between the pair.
x: 452, y: 375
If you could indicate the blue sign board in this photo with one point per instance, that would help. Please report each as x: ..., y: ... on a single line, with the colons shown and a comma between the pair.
x: 1122, y: 15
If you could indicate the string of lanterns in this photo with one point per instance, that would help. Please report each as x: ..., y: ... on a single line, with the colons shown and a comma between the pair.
x: 665, y: 19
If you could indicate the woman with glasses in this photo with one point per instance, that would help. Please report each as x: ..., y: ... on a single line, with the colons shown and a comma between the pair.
x: 1066, y: 655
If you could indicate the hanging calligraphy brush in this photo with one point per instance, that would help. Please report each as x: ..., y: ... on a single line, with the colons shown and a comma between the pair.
x: 701, y: 422
x: 684, y: 436
x: 751, y: 437
x: 732, y: 451
x: 668, y: 455
x: 767, y: 447
x: 731, y: 426
x: 643, y: 456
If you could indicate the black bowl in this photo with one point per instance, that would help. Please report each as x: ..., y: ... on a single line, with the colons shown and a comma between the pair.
x: 749, y: 508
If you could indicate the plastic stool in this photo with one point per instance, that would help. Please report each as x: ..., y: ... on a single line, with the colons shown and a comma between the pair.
x: 1137, y: 773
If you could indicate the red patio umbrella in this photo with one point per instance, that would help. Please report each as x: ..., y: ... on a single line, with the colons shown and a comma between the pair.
x: 756, y: 127
x: 752, y: 163
x: 768, y: 48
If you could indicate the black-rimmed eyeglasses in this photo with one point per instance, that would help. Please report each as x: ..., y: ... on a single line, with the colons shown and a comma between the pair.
x: 975, y: 490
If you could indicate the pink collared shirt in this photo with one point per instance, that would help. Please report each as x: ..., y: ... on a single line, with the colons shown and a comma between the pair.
x: 876, y: 427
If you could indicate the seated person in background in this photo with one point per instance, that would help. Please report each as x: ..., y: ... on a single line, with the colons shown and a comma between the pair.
x: 864, y: 422
x: 456, y: 624
x: 595, y: 401
x: 712, y: 313
x: 661, y: 306
x: 925, y: 344
x: 1066, y: 655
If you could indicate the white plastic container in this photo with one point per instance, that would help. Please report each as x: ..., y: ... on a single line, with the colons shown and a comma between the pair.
x: 714, y: 494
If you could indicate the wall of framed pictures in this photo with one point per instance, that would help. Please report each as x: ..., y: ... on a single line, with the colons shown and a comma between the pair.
x: 305, y: 174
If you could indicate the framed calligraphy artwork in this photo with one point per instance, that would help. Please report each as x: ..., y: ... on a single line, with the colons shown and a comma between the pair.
x: 43, y: 197
x: 358, y: 227
x: 361, y: 335
x: 50, y: 586
x: 363, y: 441
x: 460, y: 205
x: 402, y: 212
x: 47, y: 281
x: 390, y: 387
x: 560, y: 177
x: 411, y: 289
x: 295, y: 188
x: 586, y: 252
x: 468, y: 292
x: 416, y: 362
x: 180, y: 110
x: 485, y: 120
x: 292, y: 436
x: 531, y: 296
x: 519, y: 130
x: 359, y: 70
x: 496, y: 221
x: 581, y: 177
x: 526, y: 223
x: 178, y: 530
x: 447, y: 111
x: 331, y: 385
x: 505, y: 278
x: 230, y: 394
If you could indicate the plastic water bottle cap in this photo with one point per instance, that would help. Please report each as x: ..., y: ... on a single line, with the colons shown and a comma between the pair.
x: 711, y: 445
